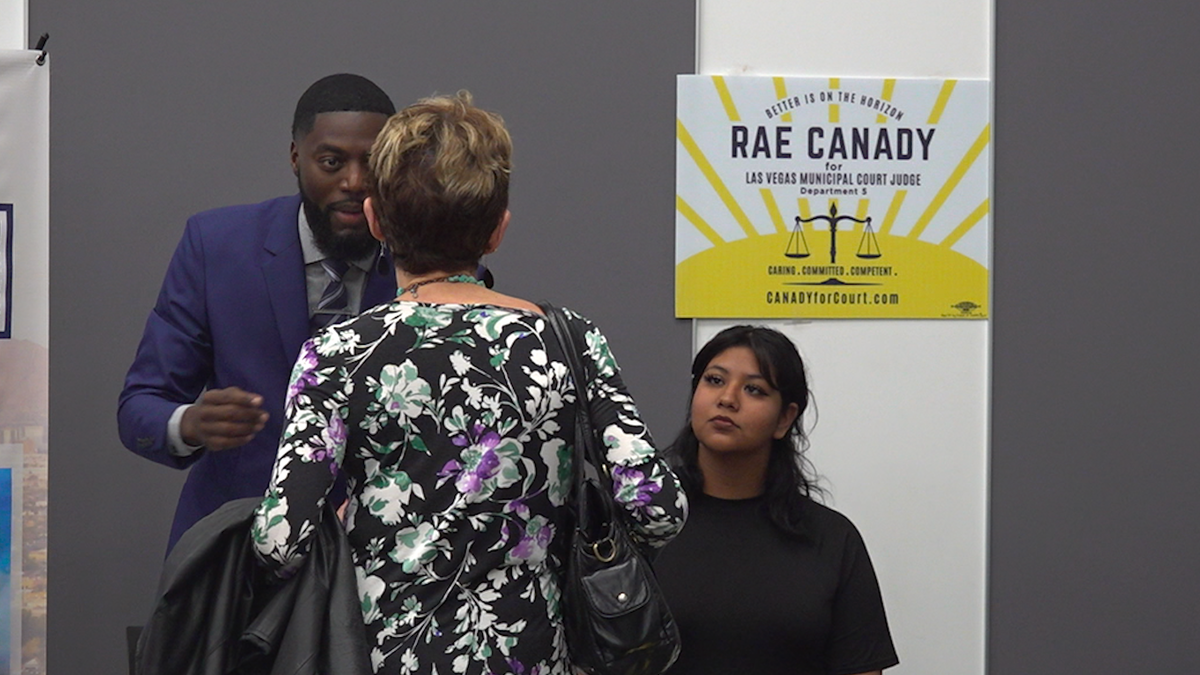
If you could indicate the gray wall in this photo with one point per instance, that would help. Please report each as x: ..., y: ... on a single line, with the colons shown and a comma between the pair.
x: 163, y: 109
x: 1095, y: 540
x: 160, y: 110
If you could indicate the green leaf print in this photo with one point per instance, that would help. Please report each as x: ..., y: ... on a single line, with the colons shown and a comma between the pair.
x: 499, y: 356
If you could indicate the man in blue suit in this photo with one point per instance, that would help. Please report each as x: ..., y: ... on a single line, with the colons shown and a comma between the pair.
x: 246, y: 287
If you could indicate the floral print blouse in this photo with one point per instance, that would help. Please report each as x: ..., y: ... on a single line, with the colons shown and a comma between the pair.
x: 454, y: 425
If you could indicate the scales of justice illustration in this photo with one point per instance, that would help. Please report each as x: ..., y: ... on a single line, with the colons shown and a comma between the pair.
x: 868, y: 245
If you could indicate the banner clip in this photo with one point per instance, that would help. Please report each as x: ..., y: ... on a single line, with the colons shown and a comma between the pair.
x: 41, y: 47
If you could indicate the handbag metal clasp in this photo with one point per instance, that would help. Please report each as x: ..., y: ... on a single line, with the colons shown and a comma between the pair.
x: 611, y: 550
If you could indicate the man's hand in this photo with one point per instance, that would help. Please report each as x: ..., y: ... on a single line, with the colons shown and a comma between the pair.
x: 223, y: 419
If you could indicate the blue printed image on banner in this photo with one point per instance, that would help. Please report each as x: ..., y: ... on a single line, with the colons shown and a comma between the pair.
x: 6, y: 589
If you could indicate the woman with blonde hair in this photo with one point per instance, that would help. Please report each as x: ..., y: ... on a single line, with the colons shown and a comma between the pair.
x: 451, y: 412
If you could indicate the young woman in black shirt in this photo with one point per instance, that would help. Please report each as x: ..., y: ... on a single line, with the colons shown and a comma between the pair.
x: 763, y: 579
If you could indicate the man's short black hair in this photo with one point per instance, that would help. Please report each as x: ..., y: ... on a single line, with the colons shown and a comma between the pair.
x: 338, y: 93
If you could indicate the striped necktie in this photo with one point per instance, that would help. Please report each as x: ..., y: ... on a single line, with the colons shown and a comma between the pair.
x: 334, y: 303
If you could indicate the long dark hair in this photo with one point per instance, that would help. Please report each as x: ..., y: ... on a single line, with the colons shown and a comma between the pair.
x: 791, y: 479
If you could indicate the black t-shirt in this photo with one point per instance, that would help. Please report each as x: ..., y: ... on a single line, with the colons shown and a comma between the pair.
x: 750, y: 600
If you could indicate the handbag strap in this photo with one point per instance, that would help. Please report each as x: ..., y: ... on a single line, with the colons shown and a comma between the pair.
x: 586, y: 453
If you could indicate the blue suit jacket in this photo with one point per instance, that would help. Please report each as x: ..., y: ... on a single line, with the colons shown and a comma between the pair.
x: 233, y: 311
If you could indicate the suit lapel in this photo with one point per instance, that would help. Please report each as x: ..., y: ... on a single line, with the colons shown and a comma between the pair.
x: 283, y: 273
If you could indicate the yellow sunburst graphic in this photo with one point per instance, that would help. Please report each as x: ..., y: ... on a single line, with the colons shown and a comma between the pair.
x: 722, y: 282
x: 889, y: 243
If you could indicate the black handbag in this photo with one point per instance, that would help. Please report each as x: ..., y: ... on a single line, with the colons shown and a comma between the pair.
x: 616, y: 619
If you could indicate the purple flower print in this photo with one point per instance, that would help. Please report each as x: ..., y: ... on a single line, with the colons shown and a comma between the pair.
x: 631, y: 487
x: 304, y: 373
x: 478, y: 435
x: 450, y: 469
x: 471, y: 481
x: 321, y: 454
x: 518, y: 507
x: 518, y: 668
x: 332, y: 437
x: 534, y: 540
x: 335, y: 433
x: 480, y: 452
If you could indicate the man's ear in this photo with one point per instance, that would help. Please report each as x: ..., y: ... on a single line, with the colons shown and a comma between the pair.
x: 498, y: 233
x: 372, y: 220
x: 295, y: 155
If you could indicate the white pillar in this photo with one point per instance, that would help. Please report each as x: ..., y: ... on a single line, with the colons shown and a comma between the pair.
x: 903, y: 425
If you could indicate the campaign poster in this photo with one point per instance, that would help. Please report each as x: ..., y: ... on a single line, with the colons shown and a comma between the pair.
x: 802, y: 197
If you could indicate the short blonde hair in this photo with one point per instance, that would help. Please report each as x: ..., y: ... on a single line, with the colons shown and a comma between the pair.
x: 439, y: 182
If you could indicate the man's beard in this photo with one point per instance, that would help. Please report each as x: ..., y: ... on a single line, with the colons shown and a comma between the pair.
x: 349, y: 246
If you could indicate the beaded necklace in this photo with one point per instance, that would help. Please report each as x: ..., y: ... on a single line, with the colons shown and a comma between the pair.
x: 411, y: 289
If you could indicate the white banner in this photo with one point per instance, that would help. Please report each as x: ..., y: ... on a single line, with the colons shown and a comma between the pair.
x: 24, y: 357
